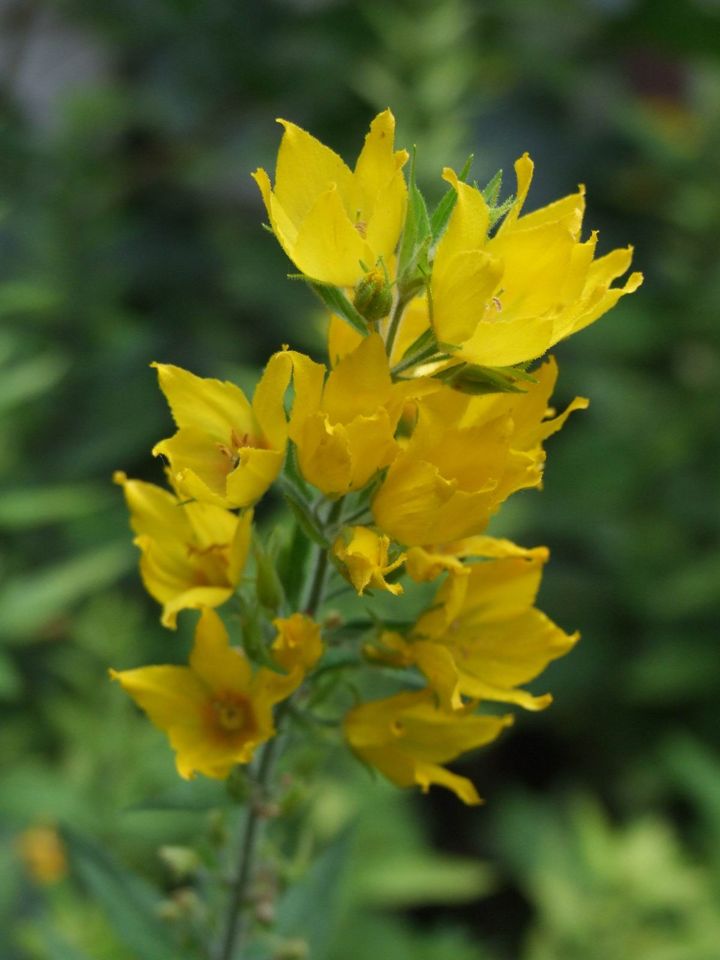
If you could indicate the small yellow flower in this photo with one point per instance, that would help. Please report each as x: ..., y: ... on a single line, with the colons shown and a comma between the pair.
x: 43, y: 853
x: 466, y: 455
x: 226, y: 451
x: 363, y: 554
x: 482, y: 637
x: 215, y: 712
x: 344, y: 427
x: 298, y: 642
x: 409, y: 738
x: 507, y: 299
x: 192, y: 554
x: 328, y: 219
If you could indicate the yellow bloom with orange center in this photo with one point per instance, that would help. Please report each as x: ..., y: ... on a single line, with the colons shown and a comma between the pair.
x: 466, y: 455
x: 408, y: 738
x: 482, y: 637
x: 363, y: 555
x: 192, y: 554
x: 334, y: 223
x: 506, y: 299
x: 217, y: 710
x: 227, y: 451
x: 344, y: 427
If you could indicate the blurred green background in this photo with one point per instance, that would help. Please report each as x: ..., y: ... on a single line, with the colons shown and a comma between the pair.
x: 130, y: 231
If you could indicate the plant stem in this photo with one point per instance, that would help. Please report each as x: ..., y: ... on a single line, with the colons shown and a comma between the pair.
x: 235, y: 929
x: 236, y: 926
x: 316, y: 588
x: 402, y: 302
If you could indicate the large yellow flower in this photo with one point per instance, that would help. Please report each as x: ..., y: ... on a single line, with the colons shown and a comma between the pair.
x: 226, y: 451
x: 506, y: 299
x: 408, y: 738
x: 482, y: 637
x: 330, y: 220
x: 464, y: 458
x: 216, y: 711
x: 344, y: 427
x: 192, y: 554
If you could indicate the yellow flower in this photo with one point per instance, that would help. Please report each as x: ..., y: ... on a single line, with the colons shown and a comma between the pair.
x: 466, y: 455
x: 507, y: 299
x: 226, y: 450
x: 363, y: 555
x: 328, y: 219
x: 482, y: 637
x: 408, y: 738
x: 192, y: 554
x: 43, y: 853
x: 344, y: 428
x: 298, y: 642
x: 216, y: 711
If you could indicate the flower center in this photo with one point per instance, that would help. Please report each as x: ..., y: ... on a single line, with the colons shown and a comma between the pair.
x: 233, y: 713
x: 238, y: 441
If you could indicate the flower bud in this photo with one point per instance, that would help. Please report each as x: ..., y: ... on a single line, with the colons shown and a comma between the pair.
x: 373, y: 295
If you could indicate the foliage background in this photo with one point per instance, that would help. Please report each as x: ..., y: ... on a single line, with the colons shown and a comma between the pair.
x: 130, y: 231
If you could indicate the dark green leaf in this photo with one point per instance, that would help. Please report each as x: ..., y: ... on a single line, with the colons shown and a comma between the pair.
x: 416, y: 234
x: 128, y: 902
x: 336, y: 301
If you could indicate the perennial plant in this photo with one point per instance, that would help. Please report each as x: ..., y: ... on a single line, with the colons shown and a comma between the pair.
x: 435, y: 409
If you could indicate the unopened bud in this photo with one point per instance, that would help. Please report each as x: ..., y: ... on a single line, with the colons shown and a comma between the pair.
x: 373, y: 295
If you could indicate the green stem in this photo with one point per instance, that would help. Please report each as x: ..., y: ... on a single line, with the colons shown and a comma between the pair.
x: 424, y: 356
x: 236, y: 926
x: 236, y: 916
x: 402, y: 302
x: 318, y: 577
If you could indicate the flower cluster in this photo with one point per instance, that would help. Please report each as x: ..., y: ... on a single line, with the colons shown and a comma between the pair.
x: 432, y: 409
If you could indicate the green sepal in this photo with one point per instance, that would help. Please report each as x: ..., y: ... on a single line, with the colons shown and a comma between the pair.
x: 491, y: 191
x: 336, y: 301
x: 420, y: 344
x: 476, y: 380
x: 441, y: 213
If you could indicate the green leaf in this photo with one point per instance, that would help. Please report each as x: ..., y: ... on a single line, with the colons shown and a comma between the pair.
x: 336, y: 301
x: 128, y: 902
x: 11, y: 684
x: 477, y: 380
x: 23, y: 509
x: 418, y: 878
x: 416, y: 235
x: 445, y: 207
x: 292, y: 564
x: 309, y: 909
x: 268, y: 584
x: 29, y: 601
x: 492, y: 191
x: 30, y: 379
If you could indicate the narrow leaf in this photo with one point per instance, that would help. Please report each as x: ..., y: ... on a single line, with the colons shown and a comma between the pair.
x: 336, y: 301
